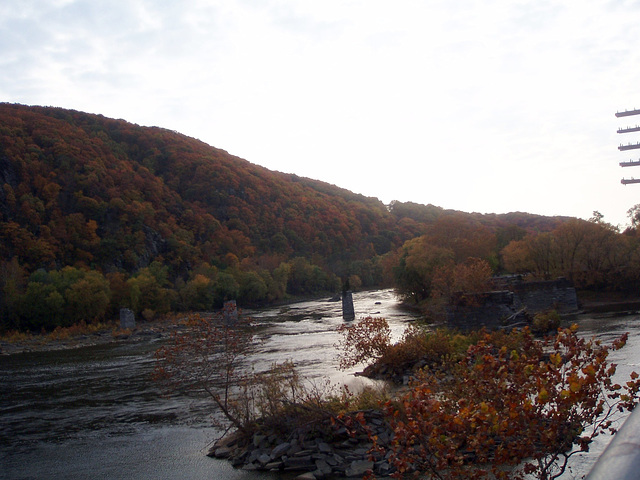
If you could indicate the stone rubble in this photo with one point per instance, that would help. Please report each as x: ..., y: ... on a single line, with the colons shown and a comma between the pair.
x: 331, y: 452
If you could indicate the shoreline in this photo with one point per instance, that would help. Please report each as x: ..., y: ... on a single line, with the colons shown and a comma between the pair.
x: 629, y: 306
x: 144, y: 330
x: 35, y: 343
x: 589, y: 302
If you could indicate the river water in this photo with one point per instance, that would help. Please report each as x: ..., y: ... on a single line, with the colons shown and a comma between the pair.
x: 94, y: 412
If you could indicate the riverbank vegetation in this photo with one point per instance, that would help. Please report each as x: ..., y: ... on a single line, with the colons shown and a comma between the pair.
x: 452, y: 260
x: 62, y: 338
x: 211, y: 356
x: 478, y: 405
x: 512, y: 407
x: 98, y: 214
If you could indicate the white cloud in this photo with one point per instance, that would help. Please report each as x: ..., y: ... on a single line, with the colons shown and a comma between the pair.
x: 479, y: 106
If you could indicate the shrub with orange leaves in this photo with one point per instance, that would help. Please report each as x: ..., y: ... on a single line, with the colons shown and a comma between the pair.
x: 519, y: 408
x: 364, y: 341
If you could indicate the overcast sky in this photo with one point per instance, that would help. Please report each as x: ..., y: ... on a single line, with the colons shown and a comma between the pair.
x: 484, y: 106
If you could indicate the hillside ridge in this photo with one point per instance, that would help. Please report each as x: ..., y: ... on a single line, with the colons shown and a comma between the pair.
x: 97, y: 194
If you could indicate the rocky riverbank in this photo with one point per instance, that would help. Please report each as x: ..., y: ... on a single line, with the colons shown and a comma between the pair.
x: 334, y: 448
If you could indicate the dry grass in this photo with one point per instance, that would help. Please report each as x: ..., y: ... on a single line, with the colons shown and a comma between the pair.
x: 77, y: 330
x: 57, y: 335
x: 14, y: 336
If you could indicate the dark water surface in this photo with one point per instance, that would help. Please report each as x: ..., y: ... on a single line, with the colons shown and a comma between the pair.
x: 94, y: 412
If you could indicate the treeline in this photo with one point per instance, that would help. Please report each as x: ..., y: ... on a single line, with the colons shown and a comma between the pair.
x: 48, y: 299
x: 456, y: 256
x: 593, y: 254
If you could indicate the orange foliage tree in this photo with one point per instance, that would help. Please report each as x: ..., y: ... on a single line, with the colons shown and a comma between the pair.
x: 513, y: 407
x: 591, y: 253
x: 363, y: 341
x: 470, y: 276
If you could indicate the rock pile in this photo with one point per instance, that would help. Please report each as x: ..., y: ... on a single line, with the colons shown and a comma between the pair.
x: 330, y: 451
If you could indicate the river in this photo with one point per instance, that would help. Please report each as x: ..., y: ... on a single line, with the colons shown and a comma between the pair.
x: 94, y: 413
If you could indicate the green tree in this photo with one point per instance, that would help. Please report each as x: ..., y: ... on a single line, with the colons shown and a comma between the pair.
x: 280, y: 280
x: 419, y: 262
x: 12, y: 283
x: 42, y: 307
x: 226, y: 288
x: 147, y: 291
x: 198, y: 294
x: 300, y: 276
x: 88, y: 298
x: 252, y: 288
x: 305, y: 278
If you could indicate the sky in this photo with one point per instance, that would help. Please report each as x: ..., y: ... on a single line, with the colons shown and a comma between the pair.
x: 487, y: 106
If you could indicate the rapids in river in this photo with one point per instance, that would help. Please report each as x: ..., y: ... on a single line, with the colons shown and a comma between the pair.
x: 95, y: 413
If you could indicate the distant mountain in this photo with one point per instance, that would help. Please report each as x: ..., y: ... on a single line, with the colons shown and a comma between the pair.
x: 85, y: 190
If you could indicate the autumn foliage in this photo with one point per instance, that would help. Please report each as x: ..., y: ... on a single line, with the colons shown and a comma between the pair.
x: 169, y: 222
x: 163, y: 216
x: 592, y: 254
x: 511, y: 406
x: 483, y: 405
x: 367, y: 339
x: 165, y: 222
x: 456, y: 259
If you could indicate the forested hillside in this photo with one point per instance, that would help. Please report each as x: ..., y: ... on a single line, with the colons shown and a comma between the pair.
x: 151, y: 219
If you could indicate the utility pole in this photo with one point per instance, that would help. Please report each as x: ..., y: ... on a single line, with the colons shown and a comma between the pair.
x: 629, y: 146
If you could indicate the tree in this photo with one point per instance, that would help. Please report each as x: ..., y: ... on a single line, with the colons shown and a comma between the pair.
x: 12, y: 280
x: 363, y: 341
x: 508, y: 234
x: 226, y: 288
x: 88, y: 298
x: 471, y: 276
x: 634, y: 216
x: 570, y: 238
x: 604, y: 254
x: 206, y: 358
x: 63, y: 297
x: 516, y: 257
x: 418, y: 264
x: 304, y: 278
x: 120, y: 294
x: 543, y: 251
x: 513, y: 407
x: 197, y: 294
x: 252, y: 288
x: 41, y: 307
x: 148, y: 289
x: 463, y: 236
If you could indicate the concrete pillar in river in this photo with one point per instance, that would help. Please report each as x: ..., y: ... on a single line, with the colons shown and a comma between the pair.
x: 127, y: 319
x: 348, y: 312
x: 230, y: 312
